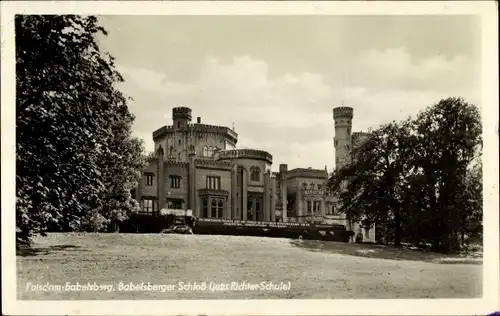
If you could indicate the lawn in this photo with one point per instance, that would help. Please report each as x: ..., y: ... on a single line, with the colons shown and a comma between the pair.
x: 312, y: 269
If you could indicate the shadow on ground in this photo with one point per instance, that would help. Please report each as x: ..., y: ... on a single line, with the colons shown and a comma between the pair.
x: 384, y: 252
x: 25, y: 251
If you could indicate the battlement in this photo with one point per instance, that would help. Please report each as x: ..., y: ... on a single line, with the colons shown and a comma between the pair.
x: 181, y: 113
x: 307, y: 173
x: 213, y: 164
x: 201, y: 128
x: 343, y: 112
x: 246, y: 153
x: 175, y: 163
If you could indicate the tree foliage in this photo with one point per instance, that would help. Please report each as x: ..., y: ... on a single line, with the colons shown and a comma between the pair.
x: 414, y: 179
x: 75, y: 154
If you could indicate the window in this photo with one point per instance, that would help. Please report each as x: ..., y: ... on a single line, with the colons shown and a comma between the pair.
x: 210, y: 151
x: 148, y: 205
x: 178, y: 124
x: 258, y: 210
x: 205, y: 151
x: 255, y: 174
x: 320, y: 187
x: 175, y: 182
x: 216, y: 208
x: 171, y: 153
x: 309, y: 207
x: 149, y: 178
x: 316, y: 206
x: 179, y: 142
x: 174, y: 204
x: 204, y: 208
x: 213, y: 183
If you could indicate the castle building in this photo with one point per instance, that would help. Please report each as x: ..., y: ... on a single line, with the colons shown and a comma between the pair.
x: 197, y: 167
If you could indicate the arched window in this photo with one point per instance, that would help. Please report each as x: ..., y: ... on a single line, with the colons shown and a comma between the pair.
x: 205, y: 151
x: 255, y: 174
x: 210, y: 151
x: 171, y: 153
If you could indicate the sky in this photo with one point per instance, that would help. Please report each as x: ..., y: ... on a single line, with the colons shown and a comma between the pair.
x: 277, y: 78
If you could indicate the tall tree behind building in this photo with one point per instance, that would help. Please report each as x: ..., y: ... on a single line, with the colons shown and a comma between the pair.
x: 75, y: 156
x: 415, y: 180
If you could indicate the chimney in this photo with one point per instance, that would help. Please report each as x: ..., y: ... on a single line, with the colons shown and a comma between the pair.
x: 198, y: 120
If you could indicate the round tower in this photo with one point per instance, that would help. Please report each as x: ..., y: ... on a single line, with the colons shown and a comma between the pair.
x: 342, y: 142
x: 181, y: 117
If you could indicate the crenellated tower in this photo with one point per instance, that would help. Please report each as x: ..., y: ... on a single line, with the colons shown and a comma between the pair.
x: 342, y: 142
x: 181, y: 117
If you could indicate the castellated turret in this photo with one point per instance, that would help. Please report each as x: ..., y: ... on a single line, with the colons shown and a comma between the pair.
x: 181, y: 117
x: 342, y: 141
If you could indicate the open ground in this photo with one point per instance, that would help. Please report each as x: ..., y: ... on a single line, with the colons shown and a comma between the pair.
x: 314, y: 269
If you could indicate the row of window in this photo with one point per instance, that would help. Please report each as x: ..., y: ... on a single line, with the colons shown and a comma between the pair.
x: 208, y: 151
x: 175, y: 181
x: 212, y: 183
x: 254, y: 175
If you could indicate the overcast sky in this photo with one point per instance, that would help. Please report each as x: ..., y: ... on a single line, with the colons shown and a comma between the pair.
x: 278, y: 77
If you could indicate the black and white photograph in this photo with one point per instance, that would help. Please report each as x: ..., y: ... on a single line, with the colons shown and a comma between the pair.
x: 154, y: 151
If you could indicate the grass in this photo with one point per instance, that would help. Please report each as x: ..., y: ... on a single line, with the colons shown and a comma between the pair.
x: 315, y: 269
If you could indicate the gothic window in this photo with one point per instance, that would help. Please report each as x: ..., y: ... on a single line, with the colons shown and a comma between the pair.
x: 255, y: 174
x: 175, y: 182
x: 171, y: 153
x: 205, y: 151
x: 213, y: 183
x: 179, y: 142
x: 204, y: 208
x: 210, y: 151
x: 178, y: 124
x: 309, y: 207
x: 149, y: 178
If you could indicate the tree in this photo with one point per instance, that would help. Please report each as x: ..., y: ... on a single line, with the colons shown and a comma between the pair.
x: 448, y: 140
x: 69, y: 113
x: 415, y: 179
x: 374, y: 189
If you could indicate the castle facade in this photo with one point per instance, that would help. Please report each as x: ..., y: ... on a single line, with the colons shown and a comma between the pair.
x: 197, y: 167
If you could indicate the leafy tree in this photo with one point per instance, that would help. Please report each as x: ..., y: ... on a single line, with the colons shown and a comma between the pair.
x: 373, y: 193
x: 448, y: 140
x: 414, y: 179
x: 72, y: 125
